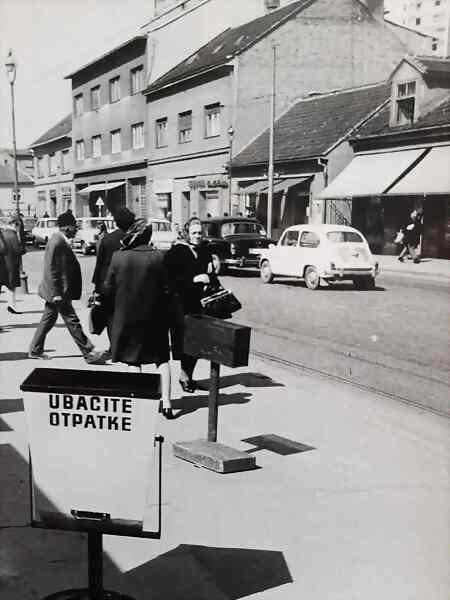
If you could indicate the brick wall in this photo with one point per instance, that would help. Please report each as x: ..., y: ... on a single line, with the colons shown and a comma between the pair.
x: 333, y: 44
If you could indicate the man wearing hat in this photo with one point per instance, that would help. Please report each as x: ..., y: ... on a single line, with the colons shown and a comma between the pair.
x: 61, y: 283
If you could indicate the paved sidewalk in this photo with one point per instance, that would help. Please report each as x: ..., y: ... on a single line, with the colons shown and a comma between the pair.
x: 354, y: 505
x: 428, y: 267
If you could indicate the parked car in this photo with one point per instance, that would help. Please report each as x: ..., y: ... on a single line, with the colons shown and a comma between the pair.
x: 163, y: 235
x: 29, y: 223
x: 234, y: 241
x: 87, y: 235
x: 319, y: 253
x: 43, y: 230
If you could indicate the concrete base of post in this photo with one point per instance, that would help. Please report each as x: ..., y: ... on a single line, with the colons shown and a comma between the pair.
x: 214, y: 456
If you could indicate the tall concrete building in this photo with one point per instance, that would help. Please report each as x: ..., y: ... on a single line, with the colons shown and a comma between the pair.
x: 428, y: 16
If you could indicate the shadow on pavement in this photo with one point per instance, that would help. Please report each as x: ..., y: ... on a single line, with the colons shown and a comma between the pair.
x: 41, y: 562
x: 251, y: 380
x: 189, y: 404
x: 14, y: 356
x: 277, y: 444
x: 191, y: 572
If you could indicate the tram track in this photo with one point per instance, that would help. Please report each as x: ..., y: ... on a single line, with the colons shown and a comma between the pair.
x: 302, y: 367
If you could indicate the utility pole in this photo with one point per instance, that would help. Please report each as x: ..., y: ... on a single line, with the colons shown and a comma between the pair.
x: 271, y: 143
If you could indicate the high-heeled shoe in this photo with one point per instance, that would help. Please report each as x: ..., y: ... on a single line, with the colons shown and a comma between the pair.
x: 167, y: 413
x: 188, y: 385
x: 13, y: 311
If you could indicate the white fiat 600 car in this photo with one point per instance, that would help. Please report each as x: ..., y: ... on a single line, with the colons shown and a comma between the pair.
x: 320, y: 253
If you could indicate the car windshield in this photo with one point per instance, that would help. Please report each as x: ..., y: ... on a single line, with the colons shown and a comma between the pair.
x: 210, y: 229
x: 338, y: 237
x: 50, y: 223
x: 160, y: 226
x: 241, y: 227
x: 29, y: 223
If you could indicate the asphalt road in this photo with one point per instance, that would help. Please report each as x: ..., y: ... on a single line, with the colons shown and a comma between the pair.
x: 394, y: 339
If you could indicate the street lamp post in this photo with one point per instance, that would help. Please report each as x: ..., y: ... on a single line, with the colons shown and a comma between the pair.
x: 230, y: 132
x: 11, y: 65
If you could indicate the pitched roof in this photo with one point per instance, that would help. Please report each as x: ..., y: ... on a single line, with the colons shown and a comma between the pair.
x: 314, y: 125
x: 7, y: 175
x: 379, y: 125
x: 434, y: 65
x: 62, y: 129
x: 228, y: 44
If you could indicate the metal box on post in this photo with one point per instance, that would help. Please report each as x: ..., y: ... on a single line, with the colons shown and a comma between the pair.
x: 222, y: 343
x: 93, y: 465
x: 219, y: 341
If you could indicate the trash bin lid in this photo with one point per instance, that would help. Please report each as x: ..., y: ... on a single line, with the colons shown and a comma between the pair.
x: 100, y: 383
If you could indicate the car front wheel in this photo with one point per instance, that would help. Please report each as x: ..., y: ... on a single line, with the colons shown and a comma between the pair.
x: 312, y: 279
x: 265, y: 272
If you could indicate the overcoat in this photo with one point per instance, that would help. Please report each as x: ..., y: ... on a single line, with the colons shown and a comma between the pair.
x: 10, y: 265
x: 62, y: 273
x: 137, y: 280
x: 183, y: 264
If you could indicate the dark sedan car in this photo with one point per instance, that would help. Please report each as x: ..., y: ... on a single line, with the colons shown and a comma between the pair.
x: 234, y: 241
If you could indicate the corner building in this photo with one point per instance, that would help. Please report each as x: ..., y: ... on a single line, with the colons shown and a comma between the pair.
x: 109, y: 132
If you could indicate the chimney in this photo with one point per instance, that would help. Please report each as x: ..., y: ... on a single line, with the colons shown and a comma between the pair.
x: 271, y: 5
x: 376, y: 7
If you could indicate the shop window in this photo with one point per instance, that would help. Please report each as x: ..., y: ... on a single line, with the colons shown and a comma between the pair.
x: 78, y: 105
x: 405, y: 103
x: 114, y: 89
x: 136, y: 79
x: 95, y: 97
x: 116, y: 145
x: 212, y: 120
x: 96, y: 146
x: 185, y: 127
x: 418, y: 21
x: 79, y: 150
x: 137, y: 135
x: 161, y: 132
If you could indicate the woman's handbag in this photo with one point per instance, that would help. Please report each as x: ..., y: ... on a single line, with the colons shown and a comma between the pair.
x: 219, y: 302
x: 97, y: 316
x: 399, y: 238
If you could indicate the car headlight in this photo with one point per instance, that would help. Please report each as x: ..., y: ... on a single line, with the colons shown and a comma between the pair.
x: 233, y: 248
x: 332, y: 266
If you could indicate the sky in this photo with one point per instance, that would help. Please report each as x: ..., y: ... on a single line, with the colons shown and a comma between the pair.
x: 50, y: 39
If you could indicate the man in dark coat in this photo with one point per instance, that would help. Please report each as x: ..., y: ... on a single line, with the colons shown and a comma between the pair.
x: 109, y: 244
x: 61, y: 283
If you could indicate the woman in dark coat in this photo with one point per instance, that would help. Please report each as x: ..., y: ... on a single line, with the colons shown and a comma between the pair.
x: 10, y: 265
x: 189, y: 266
x: 137, y: 280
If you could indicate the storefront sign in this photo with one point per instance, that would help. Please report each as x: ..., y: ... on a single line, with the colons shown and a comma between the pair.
x: 208, y: 183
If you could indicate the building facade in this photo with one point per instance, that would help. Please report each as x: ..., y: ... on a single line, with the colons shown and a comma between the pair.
x: 210, y: 106
x: 8, y: 202
x: 109, y: 131
x: 53, y: 170
x: 407, y: 146
x: 428, y: 16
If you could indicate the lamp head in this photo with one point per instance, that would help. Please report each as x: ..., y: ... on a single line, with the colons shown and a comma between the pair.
x: 10, y: 65
x: 230, y: 131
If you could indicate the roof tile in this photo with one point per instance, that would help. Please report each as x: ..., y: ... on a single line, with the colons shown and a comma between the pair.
x: 62, y: 128
x: 312, y: 126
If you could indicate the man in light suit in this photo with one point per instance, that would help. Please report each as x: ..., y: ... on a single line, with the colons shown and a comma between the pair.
x: 61, y: 283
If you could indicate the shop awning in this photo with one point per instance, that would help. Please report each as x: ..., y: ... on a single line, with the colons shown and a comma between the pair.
x: 254, y: 188
x: 430, y: 176
x: 100, y: 187
x: 371, y: 174
x: 287, y: 183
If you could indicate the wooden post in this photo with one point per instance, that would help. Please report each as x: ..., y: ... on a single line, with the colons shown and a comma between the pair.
x: 213, y: 402
x: 95, y: 565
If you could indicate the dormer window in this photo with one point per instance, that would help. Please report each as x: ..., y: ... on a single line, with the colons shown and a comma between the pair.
x: 405, y: 103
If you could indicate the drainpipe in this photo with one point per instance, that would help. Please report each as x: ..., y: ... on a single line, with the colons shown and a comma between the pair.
x: 323, y: 162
